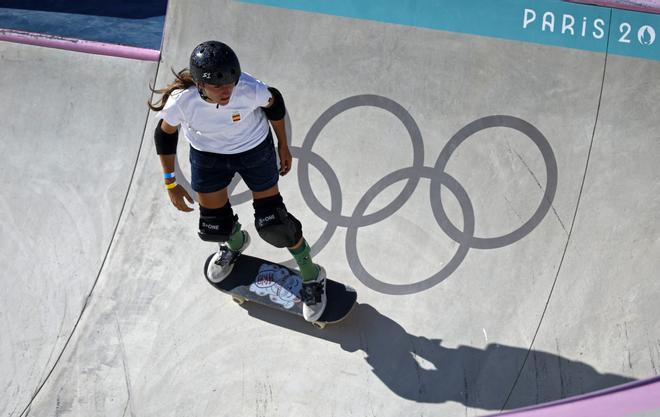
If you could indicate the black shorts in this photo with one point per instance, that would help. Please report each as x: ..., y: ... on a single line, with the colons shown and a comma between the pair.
x: 257, y: 166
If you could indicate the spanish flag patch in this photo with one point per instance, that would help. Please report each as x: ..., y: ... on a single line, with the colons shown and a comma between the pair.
x: 236, y: 117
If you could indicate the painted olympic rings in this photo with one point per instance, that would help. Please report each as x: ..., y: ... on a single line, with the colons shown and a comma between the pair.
x: 412, y: 175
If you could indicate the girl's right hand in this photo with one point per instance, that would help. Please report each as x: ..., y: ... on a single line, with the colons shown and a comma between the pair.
x: 177, y: 196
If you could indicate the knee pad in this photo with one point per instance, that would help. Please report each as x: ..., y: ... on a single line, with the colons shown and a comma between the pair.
x: 274, y: 223
x: 216, y: 225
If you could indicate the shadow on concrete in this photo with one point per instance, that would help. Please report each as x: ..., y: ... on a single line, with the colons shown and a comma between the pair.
x: 420, y: 369
x: 123, y: 8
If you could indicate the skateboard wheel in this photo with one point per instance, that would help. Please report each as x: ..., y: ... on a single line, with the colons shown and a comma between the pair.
x: 238, y: 300
x: 319, y: 325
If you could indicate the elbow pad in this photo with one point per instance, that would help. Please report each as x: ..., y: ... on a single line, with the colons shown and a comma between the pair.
x: 276, y: 111
x: 165, y: 142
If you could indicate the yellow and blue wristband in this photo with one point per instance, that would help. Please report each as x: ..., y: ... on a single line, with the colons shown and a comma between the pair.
x: 167, y: 176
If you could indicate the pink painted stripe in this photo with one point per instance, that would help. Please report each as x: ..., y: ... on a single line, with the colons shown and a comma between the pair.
x: 635, y: 397
x: 78, y: 45
x: 646, y: 7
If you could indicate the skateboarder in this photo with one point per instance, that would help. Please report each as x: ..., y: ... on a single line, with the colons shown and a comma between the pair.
x: 224, y: 114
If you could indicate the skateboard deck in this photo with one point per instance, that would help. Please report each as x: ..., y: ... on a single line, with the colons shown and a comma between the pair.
x: 276, y: 286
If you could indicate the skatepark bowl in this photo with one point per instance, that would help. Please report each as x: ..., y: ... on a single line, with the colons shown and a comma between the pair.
x: 484, y: 174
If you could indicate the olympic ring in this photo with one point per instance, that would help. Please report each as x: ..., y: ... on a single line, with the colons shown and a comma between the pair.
x: 351, y: 234
x: 436, y: 174
x: 550, y: 188
x: 306, y: 150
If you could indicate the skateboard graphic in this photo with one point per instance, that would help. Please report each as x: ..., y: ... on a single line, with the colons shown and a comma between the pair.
x: 276, y: 286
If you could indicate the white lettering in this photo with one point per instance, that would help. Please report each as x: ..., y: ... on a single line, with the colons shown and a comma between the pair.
x: 599, y: 28
x: 548, y: 21
x: 530, y: 16
x: 624, y: 28
x: 210, y: 226
x: 565, y: 26
x: 265, y: 220
x: 595, y: 28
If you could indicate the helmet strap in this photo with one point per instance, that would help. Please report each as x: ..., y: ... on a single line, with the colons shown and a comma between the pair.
x: 202, y: 95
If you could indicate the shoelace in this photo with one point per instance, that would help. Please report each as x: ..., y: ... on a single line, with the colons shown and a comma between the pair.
x: 226, y: 256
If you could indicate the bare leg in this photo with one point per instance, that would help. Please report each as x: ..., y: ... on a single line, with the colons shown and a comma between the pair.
x: 213, y: 200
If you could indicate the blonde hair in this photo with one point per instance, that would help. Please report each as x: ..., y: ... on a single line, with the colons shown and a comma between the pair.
x: 183, y: 80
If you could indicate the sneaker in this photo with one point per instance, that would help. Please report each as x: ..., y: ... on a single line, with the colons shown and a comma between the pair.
x: 222, y: 262
x: 313, y: 296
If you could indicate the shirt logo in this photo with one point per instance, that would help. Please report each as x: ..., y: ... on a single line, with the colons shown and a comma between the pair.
x: 236, y: 117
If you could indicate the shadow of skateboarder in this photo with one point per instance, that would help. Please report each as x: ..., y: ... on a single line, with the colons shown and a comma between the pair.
x: 420, y: 369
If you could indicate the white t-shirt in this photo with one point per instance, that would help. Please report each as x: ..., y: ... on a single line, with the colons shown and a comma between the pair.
x: 237, y: 127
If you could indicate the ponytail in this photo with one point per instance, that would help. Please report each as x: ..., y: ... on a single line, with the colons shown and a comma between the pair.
x: 183, y: 80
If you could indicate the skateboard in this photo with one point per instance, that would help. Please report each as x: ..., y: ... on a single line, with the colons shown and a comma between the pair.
x: 278, y: 287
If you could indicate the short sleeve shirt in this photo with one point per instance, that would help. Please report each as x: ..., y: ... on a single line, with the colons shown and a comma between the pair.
x: 236, y: 127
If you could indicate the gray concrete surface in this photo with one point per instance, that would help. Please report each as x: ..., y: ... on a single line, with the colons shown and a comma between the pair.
x: 521, y: 270
x: 69, y: 142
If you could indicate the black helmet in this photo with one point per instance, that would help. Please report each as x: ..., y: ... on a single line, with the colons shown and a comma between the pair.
x: 213, y: 62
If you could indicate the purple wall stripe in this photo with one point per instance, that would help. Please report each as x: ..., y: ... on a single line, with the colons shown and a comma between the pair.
x: 634, y: 398
x: 647, y: 6
x: 78, y: 45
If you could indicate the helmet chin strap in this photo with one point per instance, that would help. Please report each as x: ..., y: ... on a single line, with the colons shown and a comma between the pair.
x: 202, y: 95
x: 206, y: 98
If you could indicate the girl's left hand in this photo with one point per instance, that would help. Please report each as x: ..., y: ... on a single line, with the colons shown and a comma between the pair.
x: 285, y: 159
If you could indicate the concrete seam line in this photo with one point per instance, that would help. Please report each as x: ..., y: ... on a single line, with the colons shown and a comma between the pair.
x: 570, y: 234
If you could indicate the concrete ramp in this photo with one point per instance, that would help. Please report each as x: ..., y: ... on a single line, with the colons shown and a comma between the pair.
x: 72, y: 125
x: 493, y: 201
